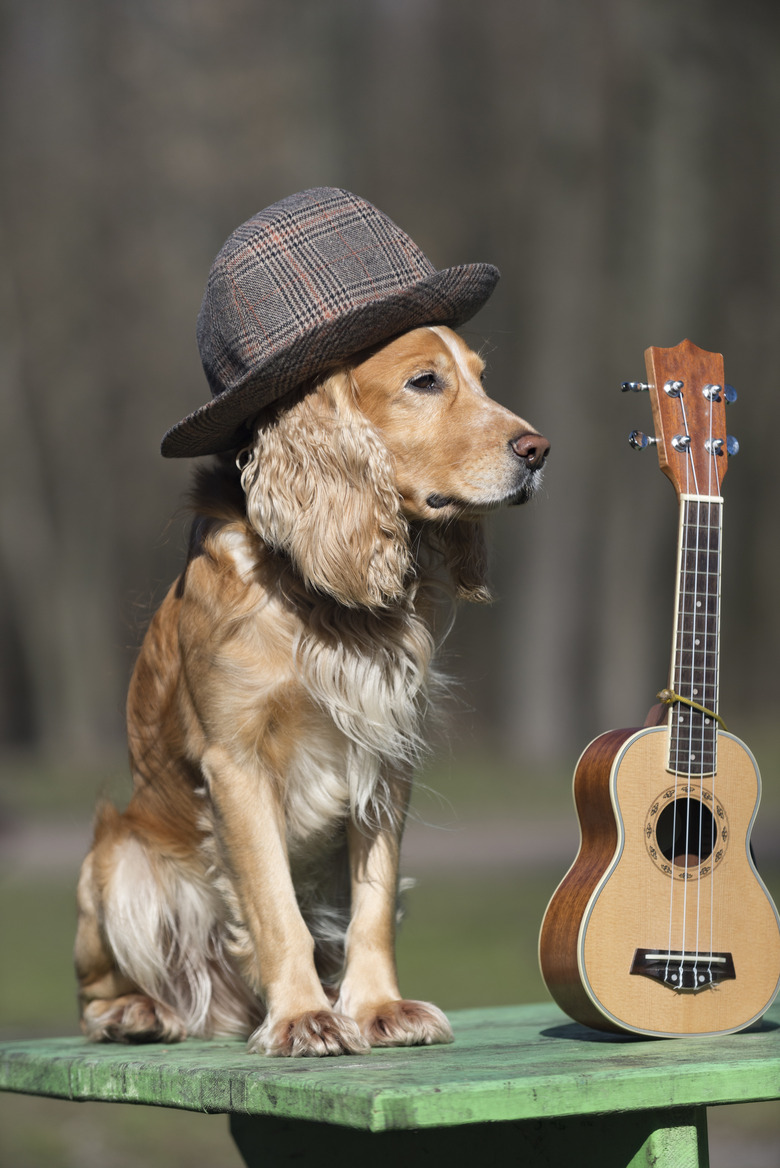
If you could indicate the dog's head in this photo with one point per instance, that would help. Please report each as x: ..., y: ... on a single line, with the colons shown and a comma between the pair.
x: 404, y: 436
x: 456, y: 453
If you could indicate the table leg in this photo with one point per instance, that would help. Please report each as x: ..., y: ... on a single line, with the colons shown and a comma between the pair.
x: 643, y: 1139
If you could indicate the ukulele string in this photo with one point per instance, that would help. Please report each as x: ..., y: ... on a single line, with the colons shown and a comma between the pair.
x: 712, y: 698
x: 690, y: 472
x: 676, y: 763
x: 674, y: 713
x: 701, y: 637
x: 706, y: 696
x: 693, y: 759
x: 708, y: 699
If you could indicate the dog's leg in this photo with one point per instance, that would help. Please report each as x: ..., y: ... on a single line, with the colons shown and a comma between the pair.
x: 369, y: 990
x: 112, y: 1007
x: 250, y: 823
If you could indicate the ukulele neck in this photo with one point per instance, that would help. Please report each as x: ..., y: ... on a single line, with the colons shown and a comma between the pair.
x: 693, y: 733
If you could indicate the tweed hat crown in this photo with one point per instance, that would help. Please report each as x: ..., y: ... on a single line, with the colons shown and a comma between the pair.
x: 299, y: 288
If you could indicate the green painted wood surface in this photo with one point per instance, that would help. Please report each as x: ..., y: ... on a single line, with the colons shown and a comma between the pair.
x: 507, y: 1064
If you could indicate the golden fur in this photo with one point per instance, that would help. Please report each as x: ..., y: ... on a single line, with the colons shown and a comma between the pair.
x: 275, y: 715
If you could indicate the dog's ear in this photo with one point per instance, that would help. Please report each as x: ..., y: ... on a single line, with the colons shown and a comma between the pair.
x: 320, y: 486
x: 463, y: 548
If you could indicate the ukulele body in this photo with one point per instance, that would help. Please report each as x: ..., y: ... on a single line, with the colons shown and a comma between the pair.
x: 662, y: 926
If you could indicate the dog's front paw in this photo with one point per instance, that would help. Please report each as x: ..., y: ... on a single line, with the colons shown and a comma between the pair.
x: 404, y: 1023
x: 310, y: 1035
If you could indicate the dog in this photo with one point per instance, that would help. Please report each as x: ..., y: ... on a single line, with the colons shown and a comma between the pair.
x: 276, y: 710
x: 275, y: 714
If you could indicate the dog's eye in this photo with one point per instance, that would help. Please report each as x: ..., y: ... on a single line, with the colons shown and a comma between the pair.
x: 424, y: 383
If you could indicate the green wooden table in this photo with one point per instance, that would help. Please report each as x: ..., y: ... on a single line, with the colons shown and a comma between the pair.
x: 519, y: 1085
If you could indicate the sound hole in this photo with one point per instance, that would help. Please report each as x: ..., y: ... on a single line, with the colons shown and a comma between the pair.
x: 686, y: 833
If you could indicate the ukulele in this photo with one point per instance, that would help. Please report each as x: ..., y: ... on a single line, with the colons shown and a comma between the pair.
x: 662, y: 926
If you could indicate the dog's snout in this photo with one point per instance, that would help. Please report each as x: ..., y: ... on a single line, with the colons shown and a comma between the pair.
x: 532, y: 448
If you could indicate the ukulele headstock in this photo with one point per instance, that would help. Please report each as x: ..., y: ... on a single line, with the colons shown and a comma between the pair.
x: 688, y: 393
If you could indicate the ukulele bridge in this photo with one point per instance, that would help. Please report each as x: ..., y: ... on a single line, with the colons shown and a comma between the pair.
x: 684, y: 971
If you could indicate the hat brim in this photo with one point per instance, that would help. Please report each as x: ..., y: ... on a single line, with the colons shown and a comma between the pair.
x: 448, y: 297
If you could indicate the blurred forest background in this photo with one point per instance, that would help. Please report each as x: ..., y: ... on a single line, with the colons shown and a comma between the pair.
x: 618, y: 160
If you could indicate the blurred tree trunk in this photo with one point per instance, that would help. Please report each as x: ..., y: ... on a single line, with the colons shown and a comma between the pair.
x: 59, y: 519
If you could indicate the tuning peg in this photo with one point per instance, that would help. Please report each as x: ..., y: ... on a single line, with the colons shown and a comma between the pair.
x: 640, y: 441
x: 712, y: 392
x: 635, y: 386
x: 730, y: 393
x: 715, y: 445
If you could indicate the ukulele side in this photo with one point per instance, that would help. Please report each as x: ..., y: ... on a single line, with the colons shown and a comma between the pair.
x: 599, y: 841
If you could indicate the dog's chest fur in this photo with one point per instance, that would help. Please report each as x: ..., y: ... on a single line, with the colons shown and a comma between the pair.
x: 329, y: 698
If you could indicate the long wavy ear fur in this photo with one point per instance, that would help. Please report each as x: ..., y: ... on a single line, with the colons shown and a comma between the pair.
x: 320, y: 487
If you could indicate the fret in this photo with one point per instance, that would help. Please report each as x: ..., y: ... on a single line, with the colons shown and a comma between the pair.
x: 687, y: 667
x: 699, y: 628
x: 698, y: 605
x: 699, y: 554
x: 699, y: 768
x: 700, y: 622
x: 698, y: 639
x: 699, y: 683
x: 703, y: 697
x: 692, y: 715
x: 703, y: 574
x: 695, y: 628
x: 694, y: 666
x: 706, y: 582
x: 700, y: 688
x: 701, y: 561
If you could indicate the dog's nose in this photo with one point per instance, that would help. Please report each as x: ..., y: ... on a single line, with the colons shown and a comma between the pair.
x: 532, y: 448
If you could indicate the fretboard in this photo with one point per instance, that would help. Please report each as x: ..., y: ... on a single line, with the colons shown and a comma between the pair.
x: 694, y: 673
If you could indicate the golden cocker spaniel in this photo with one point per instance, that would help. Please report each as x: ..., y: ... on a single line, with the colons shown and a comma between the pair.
x: 276, y: 713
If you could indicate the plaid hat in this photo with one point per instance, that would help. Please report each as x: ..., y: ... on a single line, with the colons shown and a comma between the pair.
x: 299, y: 288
